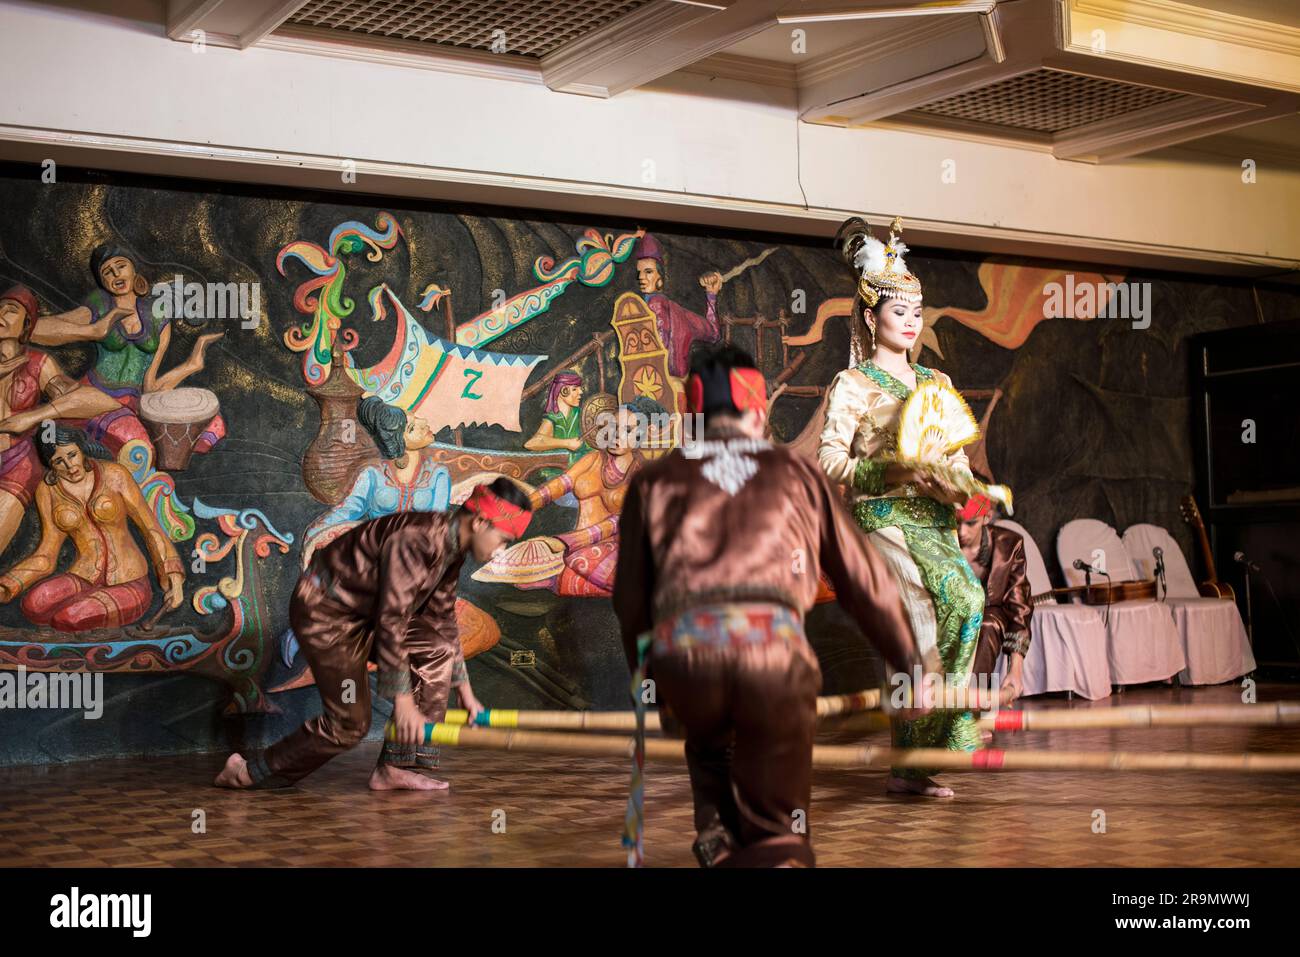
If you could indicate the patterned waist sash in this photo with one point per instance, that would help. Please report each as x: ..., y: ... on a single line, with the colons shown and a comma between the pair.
x: 731, y: 625
x: 724, y: 625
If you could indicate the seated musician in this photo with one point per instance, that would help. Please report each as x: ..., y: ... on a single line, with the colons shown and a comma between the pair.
x: 997, y: 556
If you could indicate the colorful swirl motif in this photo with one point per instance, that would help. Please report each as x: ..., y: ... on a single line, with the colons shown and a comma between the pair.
x: 592, y: 266
x: 236, y: 526
x: 595, y: 262
x: 164, y: 653
x: 322, y: 297
x: 158, y: 489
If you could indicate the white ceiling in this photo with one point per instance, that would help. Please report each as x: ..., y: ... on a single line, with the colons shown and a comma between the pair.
x: 821, y: 39
x: 950, y: 73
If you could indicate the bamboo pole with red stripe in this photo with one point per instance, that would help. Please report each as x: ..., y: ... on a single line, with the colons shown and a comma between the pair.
x: 1271, y: 714
x: 851, y: 757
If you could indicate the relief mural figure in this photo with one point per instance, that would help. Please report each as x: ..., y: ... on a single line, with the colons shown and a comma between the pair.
x: 580, y: 563
x: 91, y: 502
x: 405, y: 480
x: 27, y: 376
x: 81, y: 454
x: 679, y: 327
x: 131, y: 332
x: 561, y: 425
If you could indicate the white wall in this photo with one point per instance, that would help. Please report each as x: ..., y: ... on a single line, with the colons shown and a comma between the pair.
x: 114, y: 92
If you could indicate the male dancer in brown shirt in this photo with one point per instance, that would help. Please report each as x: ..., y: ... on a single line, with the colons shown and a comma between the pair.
x: 722, y: 543
x: 387, y: 588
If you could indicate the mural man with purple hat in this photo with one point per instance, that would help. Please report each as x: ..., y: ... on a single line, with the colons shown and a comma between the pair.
x: 679, y: 328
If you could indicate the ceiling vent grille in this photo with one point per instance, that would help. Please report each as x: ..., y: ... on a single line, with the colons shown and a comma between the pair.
x: 531, y: 27
x: 1049, y: 101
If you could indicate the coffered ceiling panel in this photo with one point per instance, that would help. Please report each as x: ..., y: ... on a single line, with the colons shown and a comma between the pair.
x: 531, y: 27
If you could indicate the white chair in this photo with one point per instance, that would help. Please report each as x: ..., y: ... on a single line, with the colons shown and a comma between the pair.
x: 1068, y: 650
x: 1142, y: 643
x: 1213, y: 635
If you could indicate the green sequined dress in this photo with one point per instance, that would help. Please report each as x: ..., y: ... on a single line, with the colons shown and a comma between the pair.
x: 917, y: 535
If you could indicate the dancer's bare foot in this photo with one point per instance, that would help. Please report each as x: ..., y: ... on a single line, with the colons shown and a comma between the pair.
x: 234, y: 774
x: 388, y: 778
x: 986, y: 737
x: 925, y: 787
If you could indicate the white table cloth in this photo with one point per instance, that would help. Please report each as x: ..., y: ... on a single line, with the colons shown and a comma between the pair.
x: 1213, y: 635
x: 1067, y: 651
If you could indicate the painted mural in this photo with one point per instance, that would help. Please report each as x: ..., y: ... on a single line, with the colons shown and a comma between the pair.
x: 199, y: 387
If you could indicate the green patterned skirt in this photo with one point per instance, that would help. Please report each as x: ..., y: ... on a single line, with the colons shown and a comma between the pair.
x: 944, y: 601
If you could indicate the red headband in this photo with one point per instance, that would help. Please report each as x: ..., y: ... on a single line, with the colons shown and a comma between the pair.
x: 978, y: 506
x: 504, y: 516
x: 748, y: 391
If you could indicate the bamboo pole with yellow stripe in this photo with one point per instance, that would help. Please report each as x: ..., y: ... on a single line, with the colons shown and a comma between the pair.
x: 851, y: 713
x: 827, y: 707
x: 852, y: 757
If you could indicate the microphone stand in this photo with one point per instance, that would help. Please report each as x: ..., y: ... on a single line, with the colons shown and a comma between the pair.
x: 1250, y: 617
x: 1110, y: 598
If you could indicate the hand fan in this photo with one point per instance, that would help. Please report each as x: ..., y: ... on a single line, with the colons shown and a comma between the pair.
x: 935, y: 422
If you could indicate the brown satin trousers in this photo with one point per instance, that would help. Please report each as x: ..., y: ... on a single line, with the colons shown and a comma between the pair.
x: 337, y: 647
x: 749, y: 713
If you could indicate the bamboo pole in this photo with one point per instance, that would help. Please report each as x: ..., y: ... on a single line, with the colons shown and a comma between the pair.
x: 597, y: 341
x: 848, y: 758
x: 829, y: 706
x: 848, y: 703
x: 946, y: 699
x: 854, y: 710
x: 1147, y: 716
x: 554, y: 720
x: 1279, y: 713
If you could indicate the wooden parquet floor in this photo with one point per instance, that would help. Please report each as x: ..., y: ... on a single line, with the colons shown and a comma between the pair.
x: 568, y: 812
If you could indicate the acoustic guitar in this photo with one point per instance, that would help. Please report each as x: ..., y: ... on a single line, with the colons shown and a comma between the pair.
x: 1212, y: 588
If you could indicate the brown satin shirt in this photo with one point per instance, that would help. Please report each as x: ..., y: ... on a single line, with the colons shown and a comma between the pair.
x: 394, y: 573
x: 1007, y: 604
x: 739, y: 519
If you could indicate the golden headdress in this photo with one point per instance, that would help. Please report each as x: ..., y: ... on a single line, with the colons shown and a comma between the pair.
x: 882, y: 273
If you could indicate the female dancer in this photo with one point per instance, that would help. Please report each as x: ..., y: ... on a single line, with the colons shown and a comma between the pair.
x: 908, y: 514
